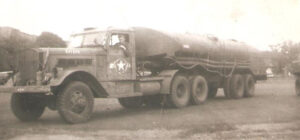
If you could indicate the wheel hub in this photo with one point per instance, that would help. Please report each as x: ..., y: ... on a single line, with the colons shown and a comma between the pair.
x: 78, y: 102
x: 180, y: 90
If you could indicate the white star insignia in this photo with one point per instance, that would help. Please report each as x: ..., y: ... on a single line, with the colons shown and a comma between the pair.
x: 121, y: 66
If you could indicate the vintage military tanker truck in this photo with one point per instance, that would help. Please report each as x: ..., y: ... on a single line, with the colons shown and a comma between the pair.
x: 158, y: 68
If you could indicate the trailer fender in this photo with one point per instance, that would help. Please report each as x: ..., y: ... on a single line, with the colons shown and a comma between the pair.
x: 168, y: 75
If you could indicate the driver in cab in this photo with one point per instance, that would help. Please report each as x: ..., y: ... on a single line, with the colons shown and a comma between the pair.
x: 123, y: 44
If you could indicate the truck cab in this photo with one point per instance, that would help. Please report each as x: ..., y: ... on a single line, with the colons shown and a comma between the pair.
x: 120, y: 62
x: 96, y: 64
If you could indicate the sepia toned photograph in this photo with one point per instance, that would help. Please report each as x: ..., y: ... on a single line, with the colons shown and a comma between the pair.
x: 150, y: 70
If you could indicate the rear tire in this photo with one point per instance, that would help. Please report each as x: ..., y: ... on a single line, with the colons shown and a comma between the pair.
x: 226, y: 87
x: 75, y: 102
x: 180, y: 92
x: 131, y: 102
x: 297, y: 86
x: 236, y: 86
x: 199, y: 90
x: 27, y: 107
x: 249, y: 85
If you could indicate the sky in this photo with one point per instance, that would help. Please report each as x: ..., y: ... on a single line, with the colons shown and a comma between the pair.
x: 259, y: 23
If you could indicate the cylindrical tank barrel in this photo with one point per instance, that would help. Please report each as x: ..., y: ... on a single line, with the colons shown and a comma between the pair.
x: 151, y: 43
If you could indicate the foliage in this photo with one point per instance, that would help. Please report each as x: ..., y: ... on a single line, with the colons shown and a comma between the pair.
x: 10, y: 47
x: 12, y: 44
x: 283, y: 54
x: 47, y: 39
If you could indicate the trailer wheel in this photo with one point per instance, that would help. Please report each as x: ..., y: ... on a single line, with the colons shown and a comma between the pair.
x: 226, y: 87
x: 249, y: 85
x: 180, y: 91
x: 75, y: 102
x: 199, y: 90
x: 236, y: 86
x: 212, y: 91
x: 27, y: 107
x: 131, y: 102
x: 297, y: 86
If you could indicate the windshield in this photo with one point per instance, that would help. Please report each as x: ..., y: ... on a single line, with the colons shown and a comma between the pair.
x: 87, y: 40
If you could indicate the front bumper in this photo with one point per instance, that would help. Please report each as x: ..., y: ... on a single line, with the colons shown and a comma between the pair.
x: 25, y: 89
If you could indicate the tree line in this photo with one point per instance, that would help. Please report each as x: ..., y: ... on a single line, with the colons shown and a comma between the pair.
x: 12, y: 45
x: 283, y: 54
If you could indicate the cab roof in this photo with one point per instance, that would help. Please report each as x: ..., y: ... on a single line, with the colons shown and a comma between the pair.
x: 95, y: 30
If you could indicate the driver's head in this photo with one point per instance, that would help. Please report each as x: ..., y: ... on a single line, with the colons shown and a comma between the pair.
x: 122, y: 38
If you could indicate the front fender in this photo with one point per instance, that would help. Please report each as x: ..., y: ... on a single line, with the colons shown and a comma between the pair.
x: 63, y: 75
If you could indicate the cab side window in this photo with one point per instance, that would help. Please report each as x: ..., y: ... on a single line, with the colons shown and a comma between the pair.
x: 119, y: 38
x: 120, y: 41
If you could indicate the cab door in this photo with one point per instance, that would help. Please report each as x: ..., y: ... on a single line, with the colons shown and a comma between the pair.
x: 121, y: 62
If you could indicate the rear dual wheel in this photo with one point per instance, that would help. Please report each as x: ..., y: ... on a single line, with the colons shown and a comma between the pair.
x: 180, y: 92
x: 226, y: 87
x: 249, y: 85
x: 183, y: 91
x: 238, y: 86
x: 199, y: 90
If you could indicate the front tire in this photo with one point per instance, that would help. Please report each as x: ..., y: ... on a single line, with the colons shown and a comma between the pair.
x: 27, y: 107
x: 199, y: 90
x: 75, y: 103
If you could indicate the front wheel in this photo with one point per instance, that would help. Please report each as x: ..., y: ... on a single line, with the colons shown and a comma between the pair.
x: 75, y: 102
x: 27, y: 107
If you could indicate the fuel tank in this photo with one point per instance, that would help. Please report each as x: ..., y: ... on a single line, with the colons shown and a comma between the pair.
x: 156, y: 44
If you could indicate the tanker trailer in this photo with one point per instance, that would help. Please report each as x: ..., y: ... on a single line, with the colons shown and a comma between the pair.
x: 138, y: 66
x: 222, y: 63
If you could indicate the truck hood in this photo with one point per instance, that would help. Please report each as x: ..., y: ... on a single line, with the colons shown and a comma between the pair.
x: 74, y: 51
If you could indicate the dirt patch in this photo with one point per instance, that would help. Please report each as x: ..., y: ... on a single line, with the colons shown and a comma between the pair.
x: 272, y: 114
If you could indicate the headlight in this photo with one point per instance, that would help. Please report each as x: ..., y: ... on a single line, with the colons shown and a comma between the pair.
x: 47, y: 78
x: 56, y: 71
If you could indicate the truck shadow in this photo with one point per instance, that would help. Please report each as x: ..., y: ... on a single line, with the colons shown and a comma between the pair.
x: 116, y: 113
